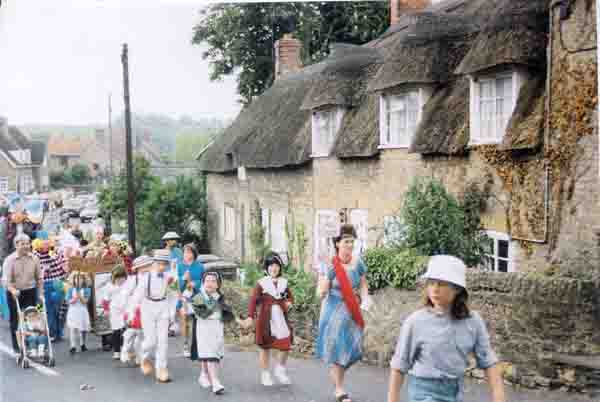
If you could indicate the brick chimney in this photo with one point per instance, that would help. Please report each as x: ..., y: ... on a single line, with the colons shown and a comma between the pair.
x: 400, y: 7
x: 287, y: 55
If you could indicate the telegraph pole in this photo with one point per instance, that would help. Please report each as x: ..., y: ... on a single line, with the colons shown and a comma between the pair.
x: 110, y: 154
x: 128, y: 152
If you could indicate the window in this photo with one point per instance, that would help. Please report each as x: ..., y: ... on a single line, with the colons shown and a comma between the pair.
x: 3, y: 185
x: 493, y: 100
x: 325, y: 125
x: 393, y: 230
x: 359, y: 218
x: 278, y: 235
x: 399, y: 117
x: 229, y: 224
x: 498, y: 252
x: 265, y: 219
x: 326, y: 228
x: 27, y: 183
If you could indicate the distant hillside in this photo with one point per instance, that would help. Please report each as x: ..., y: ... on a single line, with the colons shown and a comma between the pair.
x: 164, y: 129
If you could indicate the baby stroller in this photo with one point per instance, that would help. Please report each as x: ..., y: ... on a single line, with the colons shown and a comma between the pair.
x: 41, y: 354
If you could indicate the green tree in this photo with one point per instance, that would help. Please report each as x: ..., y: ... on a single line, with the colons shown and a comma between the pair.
x: 435, y: 222
x: 241, y: 37
x: 78, y: 174
x: 178, y: 206
x: 113, y: 199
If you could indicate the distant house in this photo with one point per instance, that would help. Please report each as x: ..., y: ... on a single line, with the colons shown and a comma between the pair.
x: 97, y: 151
x: 23, y: 163
x: 456, y: 90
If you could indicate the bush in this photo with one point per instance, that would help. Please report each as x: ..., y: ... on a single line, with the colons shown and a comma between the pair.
x: 252, y: 273
x: 393, y: 267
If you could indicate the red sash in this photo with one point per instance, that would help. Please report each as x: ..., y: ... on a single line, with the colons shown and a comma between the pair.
x: 347, y: 293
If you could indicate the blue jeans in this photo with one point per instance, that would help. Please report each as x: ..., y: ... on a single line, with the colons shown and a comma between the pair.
x: 54, y: 300
x: 33, y: 341
x: 432, y: 390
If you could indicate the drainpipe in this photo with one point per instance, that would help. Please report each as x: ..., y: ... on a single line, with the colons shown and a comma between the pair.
x: 548, y: 106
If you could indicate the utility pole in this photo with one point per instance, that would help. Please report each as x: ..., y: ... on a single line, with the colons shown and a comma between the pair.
x: 110, y: 152
x: 128, y: 152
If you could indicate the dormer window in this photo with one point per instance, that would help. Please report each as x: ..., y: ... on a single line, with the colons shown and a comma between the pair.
x: 493, y: 100
x: 400, y: 114
x: 325, y: 125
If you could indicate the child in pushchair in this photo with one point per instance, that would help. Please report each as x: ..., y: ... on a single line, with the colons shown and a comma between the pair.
x: 36, y: 337
x: 33, y: 337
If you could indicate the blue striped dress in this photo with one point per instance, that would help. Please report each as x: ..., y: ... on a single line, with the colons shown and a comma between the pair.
x: 340, y: 339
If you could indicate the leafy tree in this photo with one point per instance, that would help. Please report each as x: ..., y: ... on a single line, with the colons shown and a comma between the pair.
x: 241, y: 37
x: 113, y: 199
x: 437, y: 223
x: 78, y: 174
x: 175, y: 206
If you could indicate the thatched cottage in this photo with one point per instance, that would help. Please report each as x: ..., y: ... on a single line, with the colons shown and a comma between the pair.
x: 499, y: 94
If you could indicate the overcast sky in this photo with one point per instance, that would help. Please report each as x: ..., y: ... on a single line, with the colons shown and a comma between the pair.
x: 59, y: 59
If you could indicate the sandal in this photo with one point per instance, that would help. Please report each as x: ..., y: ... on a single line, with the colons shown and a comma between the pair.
x: 342, y: 398
x: 219, y: 391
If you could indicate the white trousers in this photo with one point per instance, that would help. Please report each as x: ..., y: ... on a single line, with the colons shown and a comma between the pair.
x: 132, y: 342
x: 155, y: 324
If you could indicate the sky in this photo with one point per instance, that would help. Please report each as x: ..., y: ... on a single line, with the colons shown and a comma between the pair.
x: 59, y: 60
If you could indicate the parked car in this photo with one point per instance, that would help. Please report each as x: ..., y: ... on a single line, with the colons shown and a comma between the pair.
x: 89, y: 213
x: 71, y: 208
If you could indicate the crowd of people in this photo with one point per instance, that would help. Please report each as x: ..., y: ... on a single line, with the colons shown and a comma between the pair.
x: 146, y: 295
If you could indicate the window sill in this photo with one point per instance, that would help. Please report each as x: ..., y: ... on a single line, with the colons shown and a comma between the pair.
x: 319, y: 156
x: 393, y: 147
x: 474, y: 144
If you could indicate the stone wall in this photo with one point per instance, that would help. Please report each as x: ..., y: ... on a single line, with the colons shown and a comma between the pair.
x: 541, y: 327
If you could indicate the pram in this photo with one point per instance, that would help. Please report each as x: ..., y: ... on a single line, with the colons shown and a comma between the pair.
x: 24, y: 358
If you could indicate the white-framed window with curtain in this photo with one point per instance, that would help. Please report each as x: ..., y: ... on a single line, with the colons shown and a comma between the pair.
x: 326, y: 227
x: 498, y: 252
x: 3, y: 185
x: 493, y: 100
x: 325, y: 126
x: 359, y: 218
x: 278, y: 236
x: 399, y: 117
x: 265, y: 219
x: 27, y: 183
x: 229, y: 223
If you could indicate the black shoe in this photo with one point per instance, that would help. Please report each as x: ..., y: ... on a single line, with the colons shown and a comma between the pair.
x: 84, y: 348
x: 72, y: 351
x: 107, y: 348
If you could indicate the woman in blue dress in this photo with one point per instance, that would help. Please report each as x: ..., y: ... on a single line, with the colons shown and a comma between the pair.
x: 189, y: 279
x: 342, y: 285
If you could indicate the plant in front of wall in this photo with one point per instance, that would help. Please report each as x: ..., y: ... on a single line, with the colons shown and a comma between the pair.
x: 296, y: 242
x: 257, y: 235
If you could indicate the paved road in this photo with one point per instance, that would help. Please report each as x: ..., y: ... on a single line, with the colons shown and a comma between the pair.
x: 240, y: 377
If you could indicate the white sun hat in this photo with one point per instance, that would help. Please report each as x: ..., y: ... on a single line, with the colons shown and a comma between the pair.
x: 447, y: 268
x: 171, y: 236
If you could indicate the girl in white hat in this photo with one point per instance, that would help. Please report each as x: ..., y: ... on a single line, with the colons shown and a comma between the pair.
x: 431, y: 353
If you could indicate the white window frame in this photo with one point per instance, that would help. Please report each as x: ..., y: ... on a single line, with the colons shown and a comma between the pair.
x: 228, y: 223
x: 322, y: 142
x: 402, y: 140
x: 4, y: 184
x: 322, y: 240
x: 27, y: 182
x: 475, y: 82
x: 278, y: 235
x: 496, y: 237
x: 359, y: 218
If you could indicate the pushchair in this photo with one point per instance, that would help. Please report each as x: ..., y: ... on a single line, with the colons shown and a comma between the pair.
x: 25, y: 356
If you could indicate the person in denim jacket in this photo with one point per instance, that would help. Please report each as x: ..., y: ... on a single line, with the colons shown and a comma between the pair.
x: 435, y: 341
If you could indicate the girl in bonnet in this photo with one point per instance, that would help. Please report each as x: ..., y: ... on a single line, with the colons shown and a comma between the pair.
x: 431, y: 353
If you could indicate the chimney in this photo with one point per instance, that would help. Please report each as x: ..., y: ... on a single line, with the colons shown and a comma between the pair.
x: 287, y: 55
x: 401, y: 7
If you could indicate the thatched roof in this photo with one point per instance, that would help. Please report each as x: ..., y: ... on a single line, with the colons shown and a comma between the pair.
x: 444, y: 127
x: 516, y: 34
x: 436, y: 47
x: 341, y: 74
x: 526, y: 127
x: 270, y: 132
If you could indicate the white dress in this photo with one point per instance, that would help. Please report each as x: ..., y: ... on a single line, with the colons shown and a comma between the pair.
x: 210, y: 339
x: 78, y: 316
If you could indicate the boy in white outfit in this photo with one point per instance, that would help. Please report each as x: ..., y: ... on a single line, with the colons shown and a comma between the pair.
x: 115, y: 301
x: 131, y: 352
x: 155, y: 295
